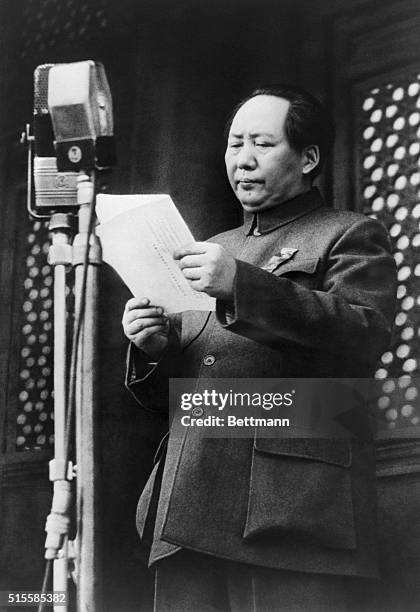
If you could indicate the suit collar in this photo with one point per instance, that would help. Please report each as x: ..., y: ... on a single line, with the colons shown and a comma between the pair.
x: 268, y: 220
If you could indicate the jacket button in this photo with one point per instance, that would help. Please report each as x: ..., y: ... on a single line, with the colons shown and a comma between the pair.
x: 197, y: 411
x: 256, y: 232
x: 209, y: 360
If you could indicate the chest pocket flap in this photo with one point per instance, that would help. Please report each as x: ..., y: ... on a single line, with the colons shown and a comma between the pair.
x: 333, y: 451
x: 308, y: 266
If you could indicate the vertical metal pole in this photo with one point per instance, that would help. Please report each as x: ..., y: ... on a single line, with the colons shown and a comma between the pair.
x: 60, y: 257
x: 60, y: 355
x: 60, y: 574
x: 60, y: 565
x: 87, y: 433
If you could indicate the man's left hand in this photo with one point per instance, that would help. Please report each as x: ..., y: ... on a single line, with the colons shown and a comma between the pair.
x: 208, y: 267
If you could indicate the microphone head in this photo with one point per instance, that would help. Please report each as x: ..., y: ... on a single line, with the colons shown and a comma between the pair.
x: 80, y: 103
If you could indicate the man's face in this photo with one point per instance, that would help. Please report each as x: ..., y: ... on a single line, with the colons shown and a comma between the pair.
x: 262, y: 168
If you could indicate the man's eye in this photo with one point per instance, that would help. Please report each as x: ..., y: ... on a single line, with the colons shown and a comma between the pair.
x: 235, y: 145
x: 263, y: 145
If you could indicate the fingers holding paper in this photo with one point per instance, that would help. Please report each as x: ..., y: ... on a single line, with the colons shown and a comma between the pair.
x: 146, y: 326
x: 208, y: 267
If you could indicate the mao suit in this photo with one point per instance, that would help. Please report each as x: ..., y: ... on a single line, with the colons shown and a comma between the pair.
x: 313, y: 297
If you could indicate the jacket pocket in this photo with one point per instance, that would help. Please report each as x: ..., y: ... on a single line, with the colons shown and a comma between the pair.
x: 301, y: 489
x: 306, y: 266
x: 303, y: 272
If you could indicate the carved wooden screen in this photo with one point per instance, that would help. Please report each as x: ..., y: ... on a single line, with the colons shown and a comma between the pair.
x: 388, y: 172
x: 375, y: 67
x: 35, y: 408
x: 375, y: 63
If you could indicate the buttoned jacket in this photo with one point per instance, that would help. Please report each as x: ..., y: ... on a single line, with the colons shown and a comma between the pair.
x: 314, y: 297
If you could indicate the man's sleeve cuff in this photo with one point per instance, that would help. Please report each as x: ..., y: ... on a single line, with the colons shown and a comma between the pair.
x: 227, y: 311
x: 139, y: 366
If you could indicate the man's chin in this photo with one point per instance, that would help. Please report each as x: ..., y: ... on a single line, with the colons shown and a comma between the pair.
x: 250, y: 203
x: 251, y: 207
x: 255, y: 206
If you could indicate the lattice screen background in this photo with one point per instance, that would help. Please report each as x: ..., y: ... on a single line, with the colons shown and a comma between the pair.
x: 389, y: 172
x: 46, y: 23
x: 36, y: 396
x: 34, y: 419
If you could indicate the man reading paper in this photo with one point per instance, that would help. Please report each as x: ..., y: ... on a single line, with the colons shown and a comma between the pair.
x: 301, y: 290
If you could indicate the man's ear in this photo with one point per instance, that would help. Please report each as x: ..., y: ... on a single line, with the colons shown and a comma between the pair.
x: 310, y: 158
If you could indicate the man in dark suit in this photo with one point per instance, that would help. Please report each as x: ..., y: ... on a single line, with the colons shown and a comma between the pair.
x: 301, y: 291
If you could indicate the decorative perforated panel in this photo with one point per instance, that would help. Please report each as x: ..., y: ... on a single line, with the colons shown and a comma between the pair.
x: 389, y: 171
x: 47, y: 23
x: 35, y: 415
x: 35, y: 410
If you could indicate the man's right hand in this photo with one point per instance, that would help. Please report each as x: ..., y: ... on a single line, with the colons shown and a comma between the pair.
x: 146, y: 326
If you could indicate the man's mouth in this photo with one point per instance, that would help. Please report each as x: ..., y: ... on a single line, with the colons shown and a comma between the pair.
x: 247, y: 181
x: 247, y: 184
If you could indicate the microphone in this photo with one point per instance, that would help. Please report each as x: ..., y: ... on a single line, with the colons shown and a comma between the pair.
x: 53, y: 189
x: 80, y: 104
x: 73, y: 129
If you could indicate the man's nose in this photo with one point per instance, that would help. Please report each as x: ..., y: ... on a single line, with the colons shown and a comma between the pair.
x: 246, y: 158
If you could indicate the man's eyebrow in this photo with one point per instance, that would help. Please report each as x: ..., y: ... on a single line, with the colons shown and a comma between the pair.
x: 259, y: 134
x: 253, y: 135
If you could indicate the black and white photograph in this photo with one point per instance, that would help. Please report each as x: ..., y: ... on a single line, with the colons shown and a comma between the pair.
x: 209, y: 305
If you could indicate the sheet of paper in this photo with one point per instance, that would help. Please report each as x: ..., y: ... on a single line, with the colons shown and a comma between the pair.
x: 139, y: 234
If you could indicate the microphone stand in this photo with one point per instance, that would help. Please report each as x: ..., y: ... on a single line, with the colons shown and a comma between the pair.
x: 62, y: 255
x: 58, y: 521
x: 85, y: 548
x: 87, y: 434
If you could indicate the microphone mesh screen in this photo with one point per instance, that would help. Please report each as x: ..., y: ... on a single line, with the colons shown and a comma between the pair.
x: 41, y: 88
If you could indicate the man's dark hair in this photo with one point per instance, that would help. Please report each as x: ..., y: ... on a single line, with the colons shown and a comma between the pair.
x: 307, y: 122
